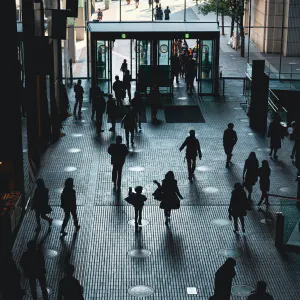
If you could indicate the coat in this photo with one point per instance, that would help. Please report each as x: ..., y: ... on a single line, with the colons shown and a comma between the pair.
x: 33, y: 263
x: 100, y: 105
x: 68, y: 200
x: 137, y: 200
x: 275, y: 133
x: 155, y: 99
x: 111, y: 108
x: 251, y: 172
x: 192, y: 147
x: 118, y: 153
x: 40, y: 200
x: 171, y: 192
x: 229, y: 138
x: 129, y: 121
x: 70, y: 289
x: 238, y: 203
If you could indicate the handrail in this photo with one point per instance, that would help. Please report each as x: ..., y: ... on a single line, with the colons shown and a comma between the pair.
x: 285, y: 197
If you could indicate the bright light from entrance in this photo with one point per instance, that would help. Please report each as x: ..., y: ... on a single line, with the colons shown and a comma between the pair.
x: 123, y: 36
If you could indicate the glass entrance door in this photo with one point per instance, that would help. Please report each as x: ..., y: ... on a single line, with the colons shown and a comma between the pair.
x: 104, y: 65
x: 143, y: 50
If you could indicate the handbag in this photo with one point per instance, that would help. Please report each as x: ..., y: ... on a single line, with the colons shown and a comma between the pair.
x: 158, y: 194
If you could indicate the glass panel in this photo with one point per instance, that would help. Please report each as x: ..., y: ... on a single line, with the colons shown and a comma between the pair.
x: 136, y: 10
x: 163, y: 52
x: 102, y: 65
x: 143, y: 64
x: 206, y: 72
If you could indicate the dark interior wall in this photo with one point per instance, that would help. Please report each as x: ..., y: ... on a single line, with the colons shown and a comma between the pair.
x: 291, y: 101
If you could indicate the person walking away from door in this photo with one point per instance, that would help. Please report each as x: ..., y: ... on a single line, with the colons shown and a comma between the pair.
x: 99, y: 14
x: 100, y: 106
x: 238, y: 207
x: 175, y: 68
x: 68, y: 204
x: 192, y: 150
x: 138, y: 201
x: 167, y: 13
x: 223, y: 280
x: 171, y: 195
x: 94, y: 97
x: 275, y: 133
x: 118, y: 153
x: 124, y: 67
x: 137, y: 106
x: 229, y: 141
x: 264, y: 173
x: 119, y: 90
x: 112, y: 112
x: 69, y: 287
x: 78, y: 98
x: 260, y: 293
x: 126, y: 83
x: 40, y: 203
x: 155, y: 102
x: 250, y: 173
x: 129, y: 124
x: 33, y: 264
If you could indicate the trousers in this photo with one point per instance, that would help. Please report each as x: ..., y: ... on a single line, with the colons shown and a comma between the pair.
x: 235, y: 222
x: 191, y: 164
x: 117, y: 174
x: 42, y: 281
x: 67, y: 218
x: 39, y: 215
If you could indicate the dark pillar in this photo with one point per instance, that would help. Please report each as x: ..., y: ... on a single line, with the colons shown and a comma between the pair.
x: 216, y: 65
x: 258, y: 109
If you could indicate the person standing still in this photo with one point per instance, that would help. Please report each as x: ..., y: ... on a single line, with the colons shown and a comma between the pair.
x: 118, y: 153
x: 78, y: 97
x: 192, y: 150
x: 99, y: 14
x: 68, y: 204
x: 40, y: 203
x: 238, y: 207
x: 112, y: 112
x: 229, y: 140
x: 275, y: 133
x: 33, y: 264
x: 119, y: 90
x: 167, y: 13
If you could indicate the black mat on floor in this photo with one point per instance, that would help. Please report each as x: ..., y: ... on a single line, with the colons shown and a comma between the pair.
x: 124, y: 110
x: 183, y: 114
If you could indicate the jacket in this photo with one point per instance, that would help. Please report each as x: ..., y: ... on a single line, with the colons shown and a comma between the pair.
x: 238, y: 203
x: 111, y: 108
x: 171, y: 193
x: 129, y: 121
x: 229, y: 138
x: 137, y: 200
x: 40, y: 199
x: 192, y: 147
x: 118, y: 153
x: 33, y: 263
x: 68, y: 200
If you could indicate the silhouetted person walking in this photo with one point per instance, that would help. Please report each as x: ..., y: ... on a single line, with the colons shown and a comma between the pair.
x: 238, y: 206
x: 175, y: 68
x: 137, y: 200
x: 294, y: 136
x: 119, y: 90
x: 95, y: 93
x: 223, y: 280
x: 250, y: 173
x: 118, y: 152
x: 229, y: 140
x: 167, y: 13
x: 33, y: 264
x: 69, y: 287
x: 155, y: 102
x: 261, y: 292
x: 112, y: 112
x: 129, y: 124
x: 100, y: 105
x: 68, y: 204
x: 264, y: 173
x: 275, y: 133
x: 137, y: 106
x: 126, y: 83
x: 192, y: 150
x: 78, y: 97
x: 170, y: 199
x: 124, y: 67
x: 40, y: 203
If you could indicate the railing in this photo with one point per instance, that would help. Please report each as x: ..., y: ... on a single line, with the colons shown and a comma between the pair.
x: 276, y: 109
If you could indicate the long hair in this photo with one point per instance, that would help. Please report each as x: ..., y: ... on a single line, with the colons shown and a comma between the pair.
x: 252, y: 156
x: 170, y: 175
x: 69, y: 183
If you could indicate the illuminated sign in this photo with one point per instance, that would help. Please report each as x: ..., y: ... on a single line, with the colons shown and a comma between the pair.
x: 186, y: 35
x: 123, y: 36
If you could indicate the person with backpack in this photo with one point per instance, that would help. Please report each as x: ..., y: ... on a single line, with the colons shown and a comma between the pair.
x: 33, y: 264
x: 69, y: 287
x: 238, y: 206
x: 229, y: 140
x: 129, y: 124
x: 68, y: 204
x: 137, y: 200
x: 192, y: 150
x: 78, y: 98
x: 40, y: 203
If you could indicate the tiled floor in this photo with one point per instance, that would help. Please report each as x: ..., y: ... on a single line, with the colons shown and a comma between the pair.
x: 187, y: 253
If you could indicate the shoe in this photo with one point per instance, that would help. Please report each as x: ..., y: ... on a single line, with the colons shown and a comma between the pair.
x: 270, y: 153
x: 166, y: 222
x: 275, y: 156
x: 243, y: 229
x: 101, y: 130
x: 235, y: 231
x: 140, y: 224
x: 77, y: 228
x: 50, y: 222
x: 111, y: 129
x: 63, y: 233
x: 140, y: 128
